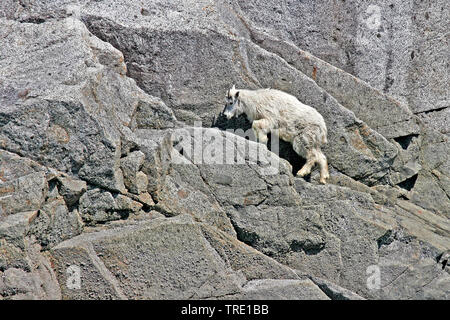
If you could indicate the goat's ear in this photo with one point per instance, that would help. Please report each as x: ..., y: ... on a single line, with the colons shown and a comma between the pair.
x: 233, y: 87
x: 236, y: 95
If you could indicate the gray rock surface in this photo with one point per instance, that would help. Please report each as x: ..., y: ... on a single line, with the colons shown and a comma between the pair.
x: 109, y: 189
x: 160, y: 259
x: 398, y: 47
x: 281, y: 290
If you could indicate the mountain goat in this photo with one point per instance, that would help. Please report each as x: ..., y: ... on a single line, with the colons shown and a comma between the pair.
x: 282, y: 114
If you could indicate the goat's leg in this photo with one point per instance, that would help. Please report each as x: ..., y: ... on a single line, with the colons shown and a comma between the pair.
x: 322, y: 160
x: 302, y: 148
x: 261, y: 128
x: 306, y: 169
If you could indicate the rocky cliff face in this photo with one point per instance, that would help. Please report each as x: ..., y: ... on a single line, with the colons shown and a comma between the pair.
x: 109, y: 189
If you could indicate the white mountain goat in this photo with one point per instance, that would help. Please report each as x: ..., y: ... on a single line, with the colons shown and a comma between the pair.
x: 282, y: 114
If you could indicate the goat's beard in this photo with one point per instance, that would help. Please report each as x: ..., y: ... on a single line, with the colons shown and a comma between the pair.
x: 229, y: 115
x: 235, y: 112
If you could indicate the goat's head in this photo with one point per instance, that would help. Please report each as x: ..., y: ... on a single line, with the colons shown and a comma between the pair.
x: 233, y: 104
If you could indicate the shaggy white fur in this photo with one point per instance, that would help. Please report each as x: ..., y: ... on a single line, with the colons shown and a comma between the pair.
x: 282, y: 114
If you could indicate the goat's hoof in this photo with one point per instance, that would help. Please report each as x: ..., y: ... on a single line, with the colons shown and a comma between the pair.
x: 323, y: 179
x: 300, y: 174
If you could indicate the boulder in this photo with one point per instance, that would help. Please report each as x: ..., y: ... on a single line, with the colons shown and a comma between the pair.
x: 155, y: 259
x: 68, y: 116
